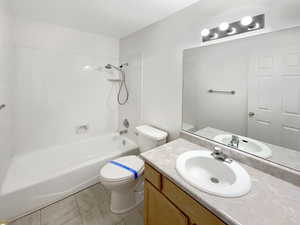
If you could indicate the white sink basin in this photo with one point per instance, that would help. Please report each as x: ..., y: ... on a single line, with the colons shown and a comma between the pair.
x: 201, y: 170
x: 247, y: 145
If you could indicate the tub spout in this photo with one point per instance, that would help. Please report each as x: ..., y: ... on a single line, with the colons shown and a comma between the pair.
x: 121, y: 132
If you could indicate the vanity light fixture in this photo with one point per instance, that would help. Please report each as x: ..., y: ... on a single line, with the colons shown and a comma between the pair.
x: 249, y: 22
x: 255, y: 26
x: 205, y: 32
x: 224, y: 26
x: 214, y: 36
x: 232, y: 31
x: 225, y: 29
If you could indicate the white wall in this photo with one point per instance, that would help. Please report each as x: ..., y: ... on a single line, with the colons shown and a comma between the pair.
x: 218, y: 67
x: 6, y: 69
x: 162, y: 43
x: 54, y: 94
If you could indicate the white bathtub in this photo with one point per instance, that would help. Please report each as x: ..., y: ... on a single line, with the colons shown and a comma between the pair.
x: 39, y: 178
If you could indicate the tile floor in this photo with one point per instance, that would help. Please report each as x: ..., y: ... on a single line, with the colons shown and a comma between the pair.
x: 88, y: 207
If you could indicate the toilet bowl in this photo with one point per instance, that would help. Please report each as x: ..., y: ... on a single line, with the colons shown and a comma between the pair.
x: 123, y: 176
x: 123, y: 182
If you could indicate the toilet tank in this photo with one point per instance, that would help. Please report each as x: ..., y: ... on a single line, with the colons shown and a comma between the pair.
x: 150, y: 137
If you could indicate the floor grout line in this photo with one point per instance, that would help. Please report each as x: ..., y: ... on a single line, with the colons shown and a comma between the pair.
x: 40, y: 213
x: 80, y: 214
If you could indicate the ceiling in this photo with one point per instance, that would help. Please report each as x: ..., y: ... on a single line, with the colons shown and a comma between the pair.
x: 117, y: 18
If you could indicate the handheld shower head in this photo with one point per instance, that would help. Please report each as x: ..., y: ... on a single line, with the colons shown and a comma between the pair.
x: 122, y: 84
x: 108, y: 66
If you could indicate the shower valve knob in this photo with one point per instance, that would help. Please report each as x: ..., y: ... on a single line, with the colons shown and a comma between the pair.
x: 126, y: 123
x: 2, y: 106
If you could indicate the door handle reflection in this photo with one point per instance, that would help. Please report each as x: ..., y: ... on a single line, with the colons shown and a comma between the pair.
x: 251, y: 114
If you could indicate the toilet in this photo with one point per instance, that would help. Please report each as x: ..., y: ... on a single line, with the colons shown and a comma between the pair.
x: 123, y: 176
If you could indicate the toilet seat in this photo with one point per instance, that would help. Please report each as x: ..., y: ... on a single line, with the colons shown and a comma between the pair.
x: 113, y: 173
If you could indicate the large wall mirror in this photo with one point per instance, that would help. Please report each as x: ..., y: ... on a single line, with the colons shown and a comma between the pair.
x: 246, y: 94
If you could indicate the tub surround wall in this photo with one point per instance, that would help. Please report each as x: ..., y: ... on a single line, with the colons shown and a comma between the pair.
x: 131, y: 110
x: 50, y: 90
x: 162, y: 43
x: 54, y: 91
x: 6, y: 71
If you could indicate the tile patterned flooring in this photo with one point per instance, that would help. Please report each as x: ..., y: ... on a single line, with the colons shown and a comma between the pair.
x: 88, y: 207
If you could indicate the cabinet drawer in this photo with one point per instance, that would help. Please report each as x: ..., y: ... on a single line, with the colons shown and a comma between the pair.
x: 198, y: 214
x: 159, y: 210
x: 153, y: 176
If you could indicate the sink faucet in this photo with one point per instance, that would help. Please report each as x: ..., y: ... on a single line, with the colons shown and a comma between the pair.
x: 219, y: 155
x: 235, y: 141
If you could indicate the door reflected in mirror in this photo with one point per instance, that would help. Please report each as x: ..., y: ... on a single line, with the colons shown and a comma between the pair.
x: 246, y: 94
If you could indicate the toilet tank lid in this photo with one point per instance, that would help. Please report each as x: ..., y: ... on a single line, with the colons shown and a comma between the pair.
x: 152, y: 132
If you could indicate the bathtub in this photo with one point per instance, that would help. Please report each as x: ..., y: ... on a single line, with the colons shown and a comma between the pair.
x: 37, y: 179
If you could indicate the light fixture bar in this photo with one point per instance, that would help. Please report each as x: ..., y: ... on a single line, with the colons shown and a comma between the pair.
x: 246, y: 24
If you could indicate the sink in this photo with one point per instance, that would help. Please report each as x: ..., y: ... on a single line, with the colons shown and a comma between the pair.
x: 247, y: 145
x: 201, y: 170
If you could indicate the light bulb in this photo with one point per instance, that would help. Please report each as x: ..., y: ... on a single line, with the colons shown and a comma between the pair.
x: 205, y: 32
x: 247, y: 20
x: 224, y: 26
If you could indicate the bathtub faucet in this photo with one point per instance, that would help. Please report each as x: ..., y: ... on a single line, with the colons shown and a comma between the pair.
x: 235, y: 141
x: 121, y: 132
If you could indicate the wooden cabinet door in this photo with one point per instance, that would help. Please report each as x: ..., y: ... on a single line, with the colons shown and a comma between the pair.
x: 198, y: 215
x: 158, y: 209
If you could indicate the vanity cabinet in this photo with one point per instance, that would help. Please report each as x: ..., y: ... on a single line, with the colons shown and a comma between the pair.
x: 159, y: 210
x: 166, y: 204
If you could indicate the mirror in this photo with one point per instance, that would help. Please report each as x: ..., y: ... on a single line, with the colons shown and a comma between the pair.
x: 245, y: 94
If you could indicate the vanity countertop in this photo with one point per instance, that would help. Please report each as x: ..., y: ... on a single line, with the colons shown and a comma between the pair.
x: 271, y: 201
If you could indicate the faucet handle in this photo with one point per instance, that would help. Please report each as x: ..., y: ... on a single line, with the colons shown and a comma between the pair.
x: 219, y: 155
x: 217, y: 149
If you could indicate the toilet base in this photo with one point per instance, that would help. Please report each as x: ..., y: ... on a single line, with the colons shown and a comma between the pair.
x: 124, y: 202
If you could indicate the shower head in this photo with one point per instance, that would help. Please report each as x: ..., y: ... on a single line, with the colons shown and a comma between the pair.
x: 108, y: 66
x: 122, y: 82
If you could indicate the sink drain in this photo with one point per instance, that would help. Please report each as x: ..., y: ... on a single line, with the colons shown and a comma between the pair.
x: 214, y: 180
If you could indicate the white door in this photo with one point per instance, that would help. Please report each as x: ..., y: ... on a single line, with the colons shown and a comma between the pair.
x: 262, y: 96
x: 274, y: 96
x: 290, y: 98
